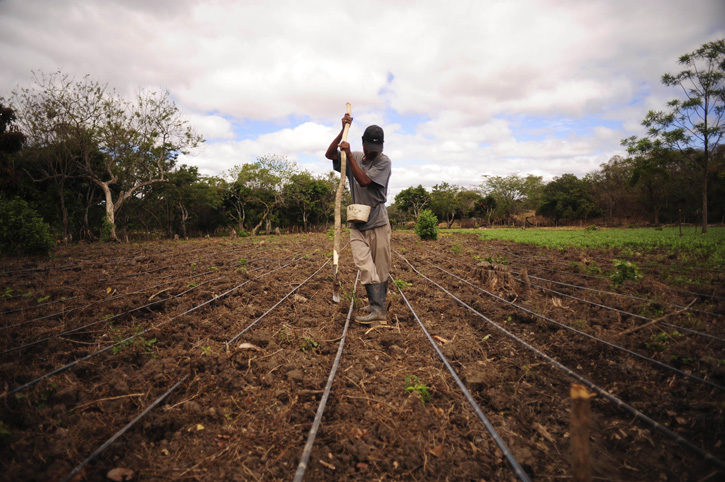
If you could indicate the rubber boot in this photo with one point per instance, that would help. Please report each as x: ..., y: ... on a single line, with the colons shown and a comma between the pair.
x: 376, y: 296
x: 367, y: 309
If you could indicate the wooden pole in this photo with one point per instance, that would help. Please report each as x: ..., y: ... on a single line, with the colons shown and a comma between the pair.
x: 338, y: 202
x: 581, y: 465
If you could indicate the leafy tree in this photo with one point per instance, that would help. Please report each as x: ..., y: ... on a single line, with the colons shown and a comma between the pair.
x: 485, y: 207
x: 84, y: 129
x: 259, y: 188
x: 513, y: 193
x: 466, y: 201
x: 412, y: 200
x: 693, y: 125
x: 444, y: 201
x: 566, y: 197
x: 305, y: 195
x: 610, y: 188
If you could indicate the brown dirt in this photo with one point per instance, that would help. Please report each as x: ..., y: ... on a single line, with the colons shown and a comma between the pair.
x: 244, y: 413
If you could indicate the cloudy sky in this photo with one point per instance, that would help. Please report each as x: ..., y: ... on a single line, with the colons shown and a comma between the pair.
x: 462, y: 88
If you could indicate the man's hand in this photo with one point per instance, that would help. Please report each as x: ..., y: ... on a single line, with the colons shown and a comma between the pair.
x: 346, y: 120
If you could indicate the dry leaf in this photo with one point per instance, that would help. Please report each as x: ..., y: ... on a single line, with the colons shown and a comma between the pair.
x: 199, y: 427
x: 299, y: 298
x: 543, y: 432
x: 436, y: 451
x: 442, y: 340
x: 120, y: 474
x: 165, y: 452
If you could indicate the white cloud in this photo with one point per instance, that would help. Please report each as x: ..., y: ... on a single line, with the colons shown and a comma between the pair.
x: 472, y: 71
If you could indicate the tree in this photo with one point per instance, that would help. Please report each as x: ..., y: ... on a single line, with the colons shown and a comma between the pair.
x: 693, y: 125
x: 306, y: 194
x: 485, y: 207
x: 412, y: 200
x: 259, y: 187
x: 566, y: 197
x: 12, y: 140
x: 610, y: 188
x: 513, y: 193
x: 82, y: 128
x: 443, y: 201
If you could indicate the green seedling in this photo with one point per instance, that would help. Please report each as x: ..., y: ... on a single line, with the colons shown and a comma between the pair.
x: 193, y: 266
x: 242, y: 261
x: 623, y: 271
x: 206, y: 350
x: 8, y: 293
x: 43, y: 298
x: 401, y: 284
x: 191, y: 285
x: 4, y: 429
x: 487, y: 337
x: 412, y: 384
x: 308, y: 344
x: 28, y: 294
x: 456, y: 249
x: 213, y: 268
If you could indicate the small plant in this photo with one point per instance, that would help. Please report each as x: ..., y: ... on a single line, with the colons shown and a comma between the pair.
x: 579, y: 324
x: 657, y: 342
x: 593, y: 269
x: 4, y: 429
x: 591, y: 228
x: 193, y: 266
x: 206, y: 350
x: 496, y: 259
x: 401, y: 284
x: 242, y: 261
x: 284, y: 336
x: 623, y: 271
x: 22, y: 230
x: 43, y: 298
x: 457, y: 249
x: 191, y: 285
x: 213, y: 268
x: 8, y: 293
x: 412, y: 384
x: 308, y: 344
x: 427, y: 226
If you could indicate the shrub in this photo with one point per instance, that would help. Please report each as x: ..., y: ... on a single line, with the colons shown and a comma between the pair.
x: 427, y: 225
x: 22, y: 230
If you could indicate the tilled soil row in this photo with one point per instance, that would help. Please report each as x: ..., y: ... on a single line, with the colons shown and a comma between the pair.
x: 245, y: 411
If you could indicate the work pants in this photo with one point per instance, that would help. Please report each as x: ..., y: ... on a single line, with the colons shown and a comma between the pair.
x: 371, y: 253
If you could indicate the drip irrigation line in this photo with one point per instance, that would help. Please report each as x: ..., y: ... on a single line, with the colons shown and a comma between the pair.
x: 591, y: 337
x: 600, y: 391
x: 103, y: 350
x: 634, y: 315
x: 38, y: 305
x: 105, y: 300
x: 235, y: 337
x: 603, y: 278
x: 68, y: 332
x: 125, y: 429
x: 304, y: 459
x: 489, y: 426
x: 621, y: 295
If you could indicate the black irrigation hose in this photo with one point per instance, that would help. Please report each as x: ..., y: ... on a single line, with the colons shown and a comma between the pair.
x: 122, y: 431
x: 619, y: 403
x: 235, y: 337
x: 634, y: 315
x: 302, y: 466
x: 489, y: 426
x: 612, y: 293
x: 39, y: 305
x: 103, y: 350
x: 591, y: 337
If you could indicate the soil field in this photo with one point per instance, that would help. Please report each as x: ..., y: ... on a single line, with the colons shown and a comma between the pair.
x: 220, y: 353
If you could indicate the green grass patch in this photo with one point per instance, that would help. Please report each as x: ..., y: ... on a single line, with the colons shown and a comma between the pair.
x: 708, y: 249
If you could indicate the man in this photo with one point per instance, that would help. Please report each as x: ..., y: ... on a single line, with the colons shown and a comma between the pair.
x: 368, y: 173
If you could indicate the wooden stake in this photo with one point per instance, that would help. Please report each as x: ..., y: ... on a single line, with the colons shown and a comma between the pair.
x: 581, y: 465
x: 338, y: 202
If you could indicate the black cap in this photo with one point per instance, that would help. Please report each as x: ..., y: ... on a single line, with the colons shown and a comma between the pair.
x: 373, y: 138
